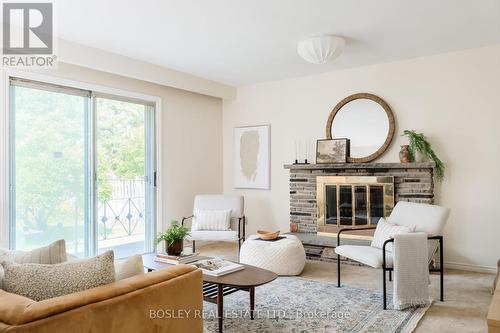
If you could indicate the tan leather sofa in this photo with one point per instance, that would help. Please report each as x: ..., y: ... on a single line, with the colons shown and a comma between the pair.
x: 129, y: 305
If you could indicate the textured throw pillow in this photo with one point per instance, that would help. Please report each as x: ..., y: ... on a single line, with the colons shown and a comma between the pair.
x: 129, y: 267
x: 211, y: 220
x: 39, y: 281
x: 385, y: 231
x: 124, y: 268
x: 54, y: 253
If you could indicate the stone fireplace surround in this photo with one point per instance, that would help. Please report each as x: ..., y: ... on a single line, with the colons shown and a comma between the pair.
x: 412, y: 182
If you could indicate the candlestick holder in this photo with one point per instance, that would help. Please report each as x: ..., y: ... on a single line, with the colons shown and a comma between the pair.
x: 296, y: 162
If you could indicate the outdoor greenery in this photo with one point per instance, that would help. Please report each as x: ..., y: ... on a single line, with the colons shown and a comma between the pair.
x: 419, y: 143
x: 120, y: 143
x: 48, y: 161
x: 176, y: 232
x: 51, y: 143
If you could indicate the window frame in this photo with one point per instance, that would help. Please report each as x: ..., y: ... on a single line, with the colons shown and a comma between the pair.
x: 53, y: 82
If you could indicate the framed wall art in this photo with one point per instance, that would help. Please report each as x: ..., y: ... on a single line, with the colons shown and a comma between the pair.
x: 252, y: 146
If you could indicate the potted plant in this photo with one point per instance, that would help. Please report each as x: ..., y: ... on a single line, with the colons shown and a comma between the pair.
x: 420, y: 145
x: 174, y: 238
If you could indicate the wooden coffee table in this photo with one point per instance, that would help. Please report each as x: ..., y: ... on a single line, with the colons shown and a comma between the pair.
x: 215, y: 288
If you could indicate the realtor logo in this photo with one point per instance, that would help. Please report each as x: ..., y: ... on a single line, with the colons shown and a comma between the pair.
x: 27, y: 36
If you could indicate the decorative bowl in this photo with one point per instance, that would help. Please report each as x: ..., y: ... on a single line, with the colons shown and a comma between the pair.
x: 268, y: 235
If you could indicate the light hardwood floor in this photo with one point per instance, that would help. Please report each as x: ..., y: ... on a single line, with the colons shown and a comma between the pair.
x: 467, y: 294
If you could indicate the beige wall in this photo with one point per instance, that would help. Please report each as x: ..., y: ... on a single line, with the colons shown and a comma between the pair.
x: 191, y: 138
x: 89, y: 57
x: 453, y: 98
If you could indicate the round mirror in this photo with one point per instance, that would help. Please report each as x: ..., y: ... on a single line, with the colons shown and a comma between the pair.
x: 367, y: 121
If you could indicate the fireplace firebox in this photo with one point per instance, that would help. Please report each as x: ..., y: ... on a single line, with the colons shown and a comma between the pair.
x: 352, y: 201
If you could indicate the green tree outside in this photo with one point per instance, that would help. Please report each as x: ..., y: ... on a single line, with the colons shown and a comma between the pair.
x: 50, y: 143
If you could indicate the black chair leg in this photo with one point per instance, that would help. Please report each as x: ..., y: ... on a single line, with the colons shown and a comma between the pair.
x: 194, y: 247
x: 441, y: 287
x: 441, y: 269
x: 385, y: 289
x: 390, y: 275
x: 239, y: 249
x: 338, y: 270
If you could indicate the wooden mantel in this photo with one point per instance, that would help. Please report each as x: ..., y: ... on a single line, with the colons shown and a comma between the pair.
x: 358, y: 166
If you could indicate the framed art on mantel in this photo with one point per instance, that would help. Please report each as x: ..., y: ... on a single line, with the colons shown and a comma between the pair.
x: 252, y: 157
x: 332, y: 151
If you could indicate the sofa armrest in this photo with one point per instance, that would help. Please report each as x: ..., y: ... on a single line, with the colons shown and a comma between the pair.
x: 12, y: 306
x: 132, y: 292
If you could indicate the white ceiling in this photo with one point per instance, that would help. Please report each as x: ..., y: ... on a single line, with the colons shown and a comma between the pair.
x: 241, y: 42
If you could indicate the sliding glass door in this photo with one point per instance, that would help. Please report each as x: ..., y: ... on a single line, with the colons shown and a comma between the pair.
x: 49, y: 167
x: 122, y: 136
x: 82, y: 169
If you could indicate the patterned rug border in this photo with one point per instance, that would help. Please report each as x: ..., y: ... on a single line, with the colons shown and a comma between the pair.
x: 413, y: 320
x: 408, y: 325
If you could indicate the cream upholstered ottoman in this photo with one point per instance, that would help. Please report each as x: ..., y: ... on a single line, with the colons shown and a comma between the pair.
x: 283, y: 257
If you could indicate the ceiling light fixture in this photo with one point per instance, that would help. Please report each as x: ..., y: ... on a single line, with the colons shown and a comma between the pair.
x: 321, y: 49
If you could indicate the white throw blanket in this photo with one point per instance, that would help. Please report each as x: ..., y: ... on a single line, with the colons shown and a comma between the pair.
x: 411, y: 271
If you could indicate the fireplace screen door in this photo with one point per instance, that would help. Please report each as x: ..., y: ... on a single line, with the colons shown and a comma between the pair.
x: 352, y: 201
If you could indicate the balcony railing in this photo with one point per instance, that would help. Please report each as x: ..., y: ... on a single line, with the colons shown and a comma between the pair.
x: 122, y: 215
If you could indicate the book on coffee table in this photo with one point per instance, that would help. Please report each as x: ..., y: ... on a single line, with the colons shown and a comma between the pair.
x: 175, y: 260
x: 217, y: 266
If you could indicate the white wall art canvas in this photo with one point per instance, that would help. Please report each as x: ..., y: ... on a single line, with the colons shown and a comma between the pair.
x: 252, y: 157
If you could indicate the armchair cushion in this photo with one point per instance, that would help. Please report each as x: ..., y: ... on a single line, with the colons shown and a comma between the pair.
x: 210, y: 235
x: 423, y: 217
x: 211, y: 219
x: 385, y: 231
x: 221, y: 202
x: 367, y: 255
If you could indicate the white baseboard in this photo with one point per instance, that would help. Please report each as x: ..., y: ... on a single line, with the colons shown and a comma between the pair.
x: 469, y: 267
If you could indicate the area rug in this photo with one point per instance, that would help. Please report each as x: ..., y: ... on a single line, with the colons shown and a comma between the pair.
x: 291, y: 304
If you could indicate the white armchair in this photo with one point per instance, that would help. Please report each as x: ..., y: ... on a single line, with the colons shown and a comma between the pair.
x: 425, y: 218
x: 219, y: 202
